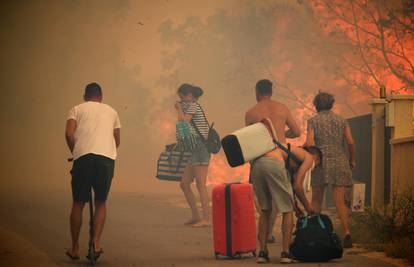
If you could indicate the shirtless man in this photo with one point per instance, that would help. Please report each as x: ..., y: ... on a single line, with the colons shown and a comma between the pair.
x: 268, y: 173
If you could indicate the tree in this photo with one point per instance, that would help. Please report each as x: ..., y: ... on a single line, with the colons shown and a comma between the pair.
x: 380, y: 37
x: 230, y: 52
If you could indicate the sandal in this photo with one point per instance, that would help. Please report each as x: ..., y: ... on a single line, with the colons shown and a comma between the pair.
x: 97, y: 254
x: 201, y: 224
x: 271, y: 240
x: 72, y: 257
x: 191, y: 222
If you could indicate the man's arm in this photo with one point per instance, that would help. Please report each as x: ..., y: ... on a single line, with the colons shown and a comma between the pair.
x: 250, y: 118
x: 294, y: 130
x: 351, y: 146
x: 300, y: 176
x: 117, y: 136
x: 70, y: 133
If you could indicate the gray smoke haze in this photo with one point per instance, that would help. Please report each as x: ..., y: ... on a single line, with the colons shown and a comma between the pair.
x: 51, y: 50
x: 140, y: 52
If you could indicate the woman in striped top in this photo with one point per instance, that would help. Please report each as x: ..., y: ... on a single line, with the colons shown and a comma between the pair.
x: 190, y: 110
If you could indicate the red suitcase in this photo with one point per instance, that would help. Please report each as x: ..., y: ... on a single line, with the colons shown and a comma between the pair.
x: 234, y: 223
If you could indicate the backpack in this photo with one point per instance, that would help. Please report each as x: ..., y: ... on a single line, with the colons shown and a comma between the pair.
x: 212, y: 142
x: 315, y: 240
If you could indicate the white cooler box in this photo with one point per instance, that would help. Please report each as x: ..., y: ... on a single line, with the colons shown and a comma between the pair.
x: 247, y: 144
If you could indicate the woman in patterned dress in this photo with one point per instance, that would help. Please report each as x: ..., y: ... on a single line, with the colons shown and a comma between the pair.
x: 328, y: 131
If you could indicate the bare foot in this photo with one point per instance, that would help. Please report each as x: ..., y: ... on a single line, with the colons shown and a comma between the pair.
x: 98, y: 248
x: 202, y: 223
x: 192, y: 221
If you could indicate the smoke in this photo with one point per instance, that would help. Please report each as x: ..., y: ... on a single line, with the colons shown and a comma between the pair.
x: 140, y: 53
x: 52, y: 50
x: 229, y: 51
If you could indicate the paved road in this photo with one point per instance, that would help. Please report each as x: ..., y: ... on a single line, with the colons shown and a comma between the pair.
x: 142, y: 229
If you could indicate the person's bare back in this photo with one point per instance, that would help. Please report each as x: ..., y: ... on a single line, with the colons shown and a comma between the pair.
x: 278, y: 113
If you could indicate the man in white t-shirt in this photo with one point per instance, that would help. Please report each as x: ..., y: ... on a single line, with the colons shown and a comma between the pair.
x: 92, y: 135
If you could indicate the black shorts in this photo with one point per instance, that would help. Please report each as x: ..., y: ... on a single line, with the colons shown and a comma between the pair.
x: 94, y: 171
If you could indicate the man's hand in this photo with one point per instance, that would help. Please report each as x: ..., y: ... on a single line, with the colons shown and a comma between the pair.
x: 309, y: 210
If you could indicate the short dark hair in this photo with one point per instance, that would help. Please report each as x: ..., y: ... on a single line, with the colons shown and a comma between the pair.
x: 197, y: 91
x: 323, y: 101
x: 314, y: 150
x: 264, y: 87
x: 93, y: 90
x: 185, y: 89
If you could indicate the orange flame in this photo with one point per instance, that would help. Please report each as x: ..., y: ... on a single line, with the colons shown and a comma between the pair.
x: 383, y: 48
x: 220, y: 172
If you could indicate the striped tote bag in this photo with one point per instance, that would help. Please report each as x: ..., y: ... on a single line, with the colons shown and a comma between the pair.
x: 171, y: 163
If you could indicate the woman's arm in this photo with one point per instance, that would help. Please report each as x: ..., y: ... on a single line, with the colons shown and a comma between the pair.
x: 310, y: 136
x: 351, y: 146
x: 306, y: 165
x: 181, y: 115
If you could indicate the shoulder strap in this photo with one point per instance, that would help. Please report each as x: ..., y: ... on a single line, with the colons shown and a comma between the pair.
x: 198, y: 131
x: 204, y: 115
x: 288, y: 159
x: 287, y: 151
x: 205, y: 118
x: 268, y: 123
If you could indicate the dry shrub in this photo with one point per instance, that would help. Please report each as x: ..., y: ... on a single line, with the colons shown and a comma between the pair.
x: 392, y: 226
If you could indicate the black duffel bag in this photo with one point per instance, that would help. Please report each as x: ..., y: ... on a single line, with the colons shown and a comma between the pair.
x: 315, y: 240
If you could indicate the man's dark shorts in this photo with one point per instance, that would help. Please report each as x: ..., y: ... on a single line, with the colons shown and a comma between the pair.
x: 94, y: 171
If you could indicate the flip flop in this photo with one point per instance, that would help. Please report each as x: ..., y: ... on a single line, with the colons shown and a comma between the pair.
x: 97, y: 254
x: 271, y: 240
x: 74, y: 258
x: 201, y: 224
x: 191, y: 222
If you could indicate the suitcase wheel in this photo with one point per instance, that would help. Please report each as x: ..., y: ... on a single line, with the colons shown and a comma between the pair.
x: 254, y: 253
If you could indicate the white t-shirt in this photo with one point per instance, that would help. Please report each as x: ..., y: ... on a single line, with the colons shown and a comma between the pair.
x: 95, y: 124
